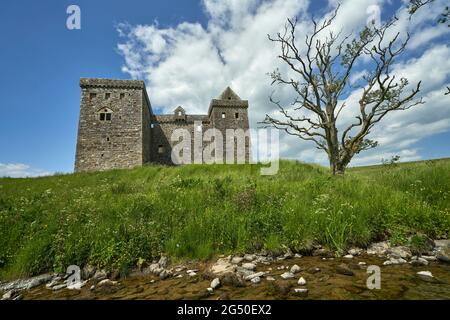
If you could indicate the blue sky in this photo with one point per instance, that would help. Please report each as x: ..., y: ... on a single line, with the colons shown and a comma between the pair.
x: 41, y: 62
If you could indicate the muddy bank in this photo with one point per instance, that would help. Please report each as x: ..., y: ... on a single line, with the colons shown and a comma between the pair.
x: 289, y: 276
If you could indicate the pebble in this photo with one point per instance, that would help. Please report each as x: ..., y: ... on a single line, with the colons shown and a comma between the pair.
x: 256, y: 280
x: 254, y: 275
x: 301, y: 281
x: 269, y: 278
x: 237, y: 260
x: 215, y: 283
x: 210, y: 290
x: 295, y: 268
x: 192, y: 274
x: 362, y: 263
x: 426, y: 276
x: 287, y: 275
x: 249, y: 257
x: 348, y: 256
x: 301, y: 291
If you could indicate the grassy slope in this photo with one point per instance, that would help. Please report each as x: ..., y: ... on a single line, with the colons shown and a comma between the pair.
x: 113, y: 219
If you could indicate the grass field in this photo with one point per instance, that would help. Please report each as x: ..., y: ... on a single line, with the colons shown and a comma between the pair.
x: 117, y: 218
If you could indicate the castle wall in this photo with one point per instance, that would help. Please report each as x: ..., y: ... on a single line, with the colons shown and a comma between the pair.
x: 117, y: 143
x: 131, y: 135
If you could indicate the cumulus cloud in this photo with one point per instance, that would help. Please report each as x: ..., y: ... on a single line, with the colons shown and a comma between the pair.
x: 189, y: 64
x: 20, y: 170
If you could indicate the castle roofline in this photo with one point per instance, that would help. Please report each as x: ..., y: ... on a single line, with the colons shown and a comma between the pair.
x: 111, y: 83
x: 228, y: 98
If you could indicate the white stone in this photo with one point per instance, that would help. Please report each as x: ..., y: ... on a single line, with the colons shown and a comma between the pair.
x: 295, y: 268
x: 256, y: 280
x: 249, y: 257
x: 348, y: 256
x: 287, y: 275
x: 192, y: 274
x: 301, y: 281
x: 301, y: 291
x: 249, y: 266
x: 270, y: 278
x: 223, y: 266
x: 362, y: 263
x: 215, y: 283
x: 425, y: 276
x: 210, y: 290
x: 429, y: 258
x: 297, y: 255
x: 237, y: 260
x: 254, y: 275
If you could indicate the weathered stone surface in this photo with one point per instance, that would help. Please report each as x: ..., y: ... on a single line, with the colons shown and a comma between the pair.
x: 400, y: 252
x: 223, y: 266
x: 378, y: 248
x: 237, y: 260
x: 444, y: 255
x: 249, y: 266
x: 215, y: 283
x: 344, y: 270
x: 295, y: 269
x: 426, y: 276
x: 118, y: 129
x: 287, y: 275
x: 301, y: 281
x: 23, y: 284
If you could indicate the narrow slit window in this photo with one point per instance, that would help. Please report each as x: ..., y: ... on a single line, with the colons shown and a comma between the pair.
x: 160, y: 149
x: 122, y: 95
x: 92, y: 95
x: 107, y: 96
x: 223, y: 115
x: 236, y: 115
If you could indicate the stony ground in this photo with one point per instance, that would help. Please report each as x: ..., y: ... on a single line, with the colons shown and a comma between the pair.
x: 261, y: 276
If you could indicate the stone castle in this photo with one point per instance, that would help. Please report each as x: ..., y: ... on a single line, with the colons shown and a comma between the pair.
x: 118, y: 129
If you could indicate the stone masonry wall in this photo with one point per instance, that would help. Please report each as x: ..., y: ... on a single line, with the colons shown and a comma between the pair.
x: 134, y: 135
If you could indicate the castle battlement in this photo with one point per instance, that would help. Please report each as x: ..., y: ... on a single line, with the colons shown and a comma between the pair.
x: 118, y: 129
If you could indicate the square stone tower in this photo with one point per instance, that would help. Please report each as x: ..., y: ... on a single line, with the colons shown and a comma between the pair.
x: 114, y: 126
x: 229, y: 113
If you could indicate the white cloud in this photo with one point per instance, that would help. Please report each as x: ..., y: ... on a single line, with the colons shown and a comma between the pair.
x: 189, y: 64
x: 20, y: 170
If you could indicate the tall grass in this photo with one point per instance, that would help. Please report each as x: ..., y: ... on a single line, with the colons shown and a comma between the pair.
x: 114, y: 219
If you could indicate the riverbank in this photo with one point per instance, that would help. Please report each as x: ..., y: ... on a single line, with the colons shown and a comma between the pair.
x: 115, y: 220
x: 262, y: 276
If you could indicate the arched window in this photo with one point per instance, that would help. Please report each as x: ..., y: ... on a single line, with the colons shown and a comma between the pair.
x: 105, y: 114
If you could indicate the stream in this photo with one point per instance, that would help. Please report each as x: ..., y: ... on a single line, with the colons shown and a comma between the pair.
x: 322, y: 281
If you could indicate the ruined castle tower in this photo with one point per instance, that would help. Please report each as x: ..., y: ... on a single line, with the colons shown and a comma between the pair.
x: 117, y: 127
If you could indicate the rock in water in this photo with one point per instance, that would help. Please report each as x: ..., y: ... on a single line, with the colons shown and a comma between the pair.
x: 302, y: 292
x: 254, y: 275
x: 344, y: 270
x: 223, y: 266
x: 444, y: 255
x: 237, y: 260
x: 400, y: 252
x: 287, y: 275
x: 348, y: 256
x: 249, y: 266
x: 256, y: 280
x: 378, y: 248
x: 426, y: 276
x: 215, y: 283
x: 295, y: 269
x: 249, y: 257
x: 301, y: 281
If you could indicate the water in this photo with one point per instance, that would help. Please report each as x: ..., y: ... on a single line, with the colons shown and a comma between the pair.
x: 397, y: 282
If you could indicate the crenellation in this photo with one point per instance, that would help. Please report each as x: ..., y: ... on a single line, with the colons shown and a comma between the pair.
x: 118, y: 129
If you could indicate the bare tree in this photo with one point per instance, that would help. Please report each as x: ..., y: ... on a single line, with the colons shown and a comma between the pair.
x: 322, y: 81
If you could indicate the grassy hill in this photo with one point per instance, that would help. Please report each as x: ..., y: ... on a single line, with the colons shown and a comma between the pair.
x: 114, y: 219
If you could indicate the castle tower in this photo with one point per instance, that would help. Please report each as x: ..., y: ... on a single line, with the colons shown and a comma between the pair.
x: 114, y: 127
x: 229, y: 113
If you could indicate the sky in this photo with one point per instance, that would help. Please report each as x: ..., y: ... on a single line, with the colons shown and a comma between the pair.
x: 188, y: 52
